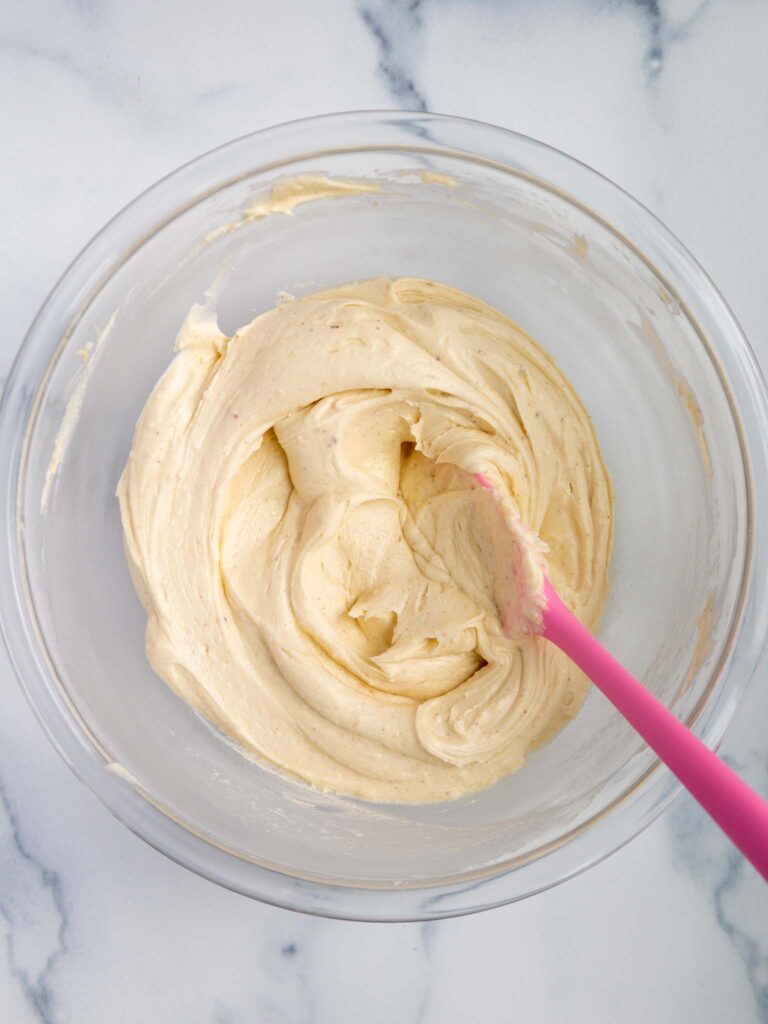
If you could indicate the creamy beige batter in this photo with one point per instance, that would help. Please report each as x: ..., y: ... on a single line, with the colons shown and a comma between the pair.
x: 321, y: 571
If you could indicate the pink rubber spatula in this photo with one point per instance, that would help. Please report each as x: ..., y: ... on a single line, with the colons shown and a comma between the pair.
x: 739, y: 811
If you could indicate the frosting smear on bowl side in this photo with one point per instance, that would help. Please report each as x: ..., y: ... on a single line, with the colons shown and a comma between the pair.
x: 323, y: 575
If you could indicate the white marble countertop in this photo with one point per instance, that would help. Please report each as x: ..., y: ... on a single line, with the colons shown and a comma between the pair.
x: 667, y: 97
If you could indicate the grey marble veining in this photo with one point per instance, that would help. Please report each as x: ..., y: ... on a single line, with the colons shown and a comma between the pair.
x: 668, y: 25
x: 396, y: 30
x: 668, y: 97
x: 33, y: 909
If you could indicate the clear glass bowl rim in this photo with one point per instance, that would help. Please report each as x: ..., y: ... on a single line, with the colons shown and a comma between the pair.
x: 272, y: 149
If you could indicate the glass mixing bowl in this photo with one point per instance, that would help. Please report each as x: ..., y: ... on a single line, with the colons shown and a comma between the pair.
x: 649, y: 344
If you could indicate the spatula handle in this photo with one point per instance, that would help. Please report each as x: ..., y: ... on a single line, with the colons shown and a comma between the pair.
x: 739, y: 811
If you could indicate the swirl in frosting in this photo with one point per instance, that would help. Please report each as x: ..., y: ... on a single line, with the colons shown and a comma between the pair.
x: 325, y: 579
